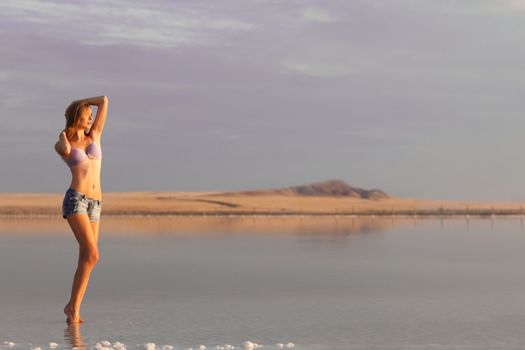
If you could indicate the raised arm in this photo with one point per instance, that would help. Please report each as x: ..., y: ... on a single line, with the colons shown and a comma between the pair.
x: 102, y: 109
x: 62, y: 146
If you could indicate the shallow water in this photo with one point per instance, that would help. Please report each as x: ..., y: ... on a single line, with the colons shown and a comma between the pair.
x: 319, y: 283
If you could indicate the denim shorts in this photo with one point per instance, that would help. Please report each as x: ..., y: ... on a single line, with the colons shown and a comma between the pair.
x: 77, y: 203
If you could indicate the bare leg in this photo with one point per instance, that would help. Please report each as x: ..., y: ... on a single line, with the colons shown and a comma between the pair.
x: 88, y: 264
x: 88, y: 257
x: 94, y: 232
x: 95, y: 228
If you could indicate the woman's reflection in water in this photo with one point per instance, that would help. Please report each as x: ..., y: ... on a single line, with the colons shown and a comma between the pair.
x: 73, y: 336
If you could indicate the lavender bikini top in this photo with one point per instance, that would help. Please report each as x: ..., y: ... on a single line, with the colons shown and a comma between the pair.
x: 78, y: 155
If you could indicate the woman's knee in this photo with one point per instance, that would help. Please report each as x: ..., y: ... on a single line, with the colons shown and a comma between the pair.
x: 90, y: 257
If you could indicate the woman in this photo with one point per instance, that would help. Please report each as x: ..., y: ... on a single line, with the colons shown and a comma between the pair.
x: 79, y: 147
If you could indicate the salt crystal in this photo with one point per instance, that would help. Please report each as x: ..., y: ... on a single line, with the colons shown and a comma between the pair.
x: 149, y: 346
x: 248, y: 345
x: 119, y: 346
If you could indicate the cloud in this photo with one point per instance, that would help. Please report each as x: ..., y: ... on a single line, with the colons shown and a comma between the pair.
x: 316, y: 15
x: 476, y: 7
x: 116, y: 22
x: 319, y: 70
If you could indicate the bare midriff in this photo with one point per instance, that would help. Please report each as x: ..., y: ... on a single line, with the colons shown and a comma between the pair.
x: 86, y: 178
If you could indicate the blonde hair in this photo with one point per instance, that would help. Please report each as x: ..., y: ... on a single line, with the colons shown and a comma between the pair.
x: 73, y: 111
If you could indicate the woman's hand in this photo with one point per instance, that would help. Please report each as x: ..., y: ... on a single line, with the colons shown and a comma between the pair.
x: 94, y: 101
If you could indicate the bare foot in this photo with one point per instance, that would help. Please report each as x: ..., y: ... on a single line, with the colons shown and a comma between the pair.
x: 72, y: 315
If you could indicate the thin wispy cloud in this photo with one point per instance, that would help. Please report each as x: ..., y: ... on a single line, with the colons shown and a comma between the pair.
x: 318, y: 69
x: 317, y: 15
x: 467, y: 7
x: 116, y: 22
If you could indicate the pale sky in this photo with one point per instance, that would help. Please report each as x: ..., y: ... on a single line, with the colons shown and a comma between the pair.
x: 419, y: 98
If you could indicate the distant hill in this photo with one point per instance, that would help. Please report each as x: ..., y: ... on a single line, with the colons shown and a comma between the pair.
x: 331, y: 188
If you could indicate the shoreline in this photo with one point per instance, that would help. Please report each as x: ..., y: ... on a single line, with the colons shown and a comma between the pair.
x: 400, y: 214
x: 217, y: 204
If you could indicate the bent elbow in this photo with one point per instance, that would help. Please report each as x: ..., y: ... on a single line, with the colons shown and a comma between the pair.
x: 62, y: 150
